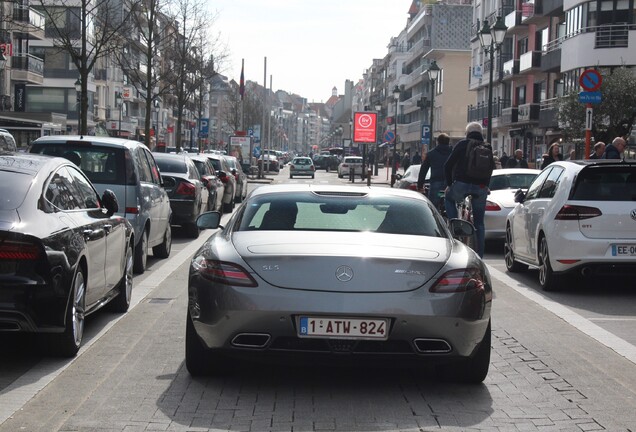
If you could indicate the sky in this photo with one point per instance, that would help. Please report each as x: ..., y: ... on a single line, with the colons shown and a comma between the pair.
x: 310, y: 45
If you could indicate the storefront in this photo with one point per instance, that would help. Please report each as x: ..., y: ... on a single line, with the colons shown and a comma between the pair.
x: 26, y: 127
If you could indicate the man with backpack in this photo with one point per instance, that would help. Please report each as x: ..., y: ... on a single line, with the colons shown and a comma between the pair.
x: 467, y: 172
x: 435, y: 160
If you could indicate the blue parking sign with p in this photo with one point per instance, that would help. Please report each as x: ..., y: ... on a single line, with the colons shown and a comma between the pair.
x: 426, y: 135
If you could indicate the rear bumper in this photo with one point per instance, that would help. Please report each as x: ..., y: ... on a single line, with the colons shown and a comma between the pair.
x: 184, y: 211
x: 31, y: 307
x: 594, y: 254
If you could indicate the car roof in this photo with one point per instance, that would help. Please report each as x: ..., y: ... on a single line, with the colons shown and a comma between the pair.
x: 90, y: 139
x: 28, y: 163
x: 332, y: 190
x: 504, y: 171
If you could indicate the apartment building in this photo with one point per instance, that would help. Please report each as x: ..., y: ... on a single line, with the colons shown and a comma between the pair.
x: 548, y: 45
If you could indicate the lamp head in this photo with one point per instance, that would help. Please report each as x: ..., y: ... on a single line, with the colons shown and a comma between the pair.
x: 498, y: 31
x: 78, y: 85
x: 396, y: 92
x: 485, y: 37
x: 433, y: 71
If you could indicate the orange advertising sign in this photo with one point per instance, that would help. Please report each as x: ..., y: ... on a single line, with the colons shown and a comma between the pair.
x: 364, y: 127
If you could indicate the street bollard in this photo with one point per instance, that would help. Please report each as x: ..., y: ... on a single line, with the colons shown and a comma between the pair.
x: 368, y: 176
x: 352, y: 175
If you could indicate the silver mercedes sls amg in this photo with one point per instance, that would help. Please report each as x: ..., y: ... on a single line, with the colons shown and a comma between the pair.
x: 352, y: 273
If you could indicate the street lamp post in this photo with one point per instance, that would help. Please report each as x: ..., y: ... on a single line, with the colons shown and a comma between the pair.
x: 491, y: 39
x: 118, y: 102
x: 78, y: 90
x: 3, y: 63
x: 378, y: 109
x: 433, y: 74
x: 396, y: 95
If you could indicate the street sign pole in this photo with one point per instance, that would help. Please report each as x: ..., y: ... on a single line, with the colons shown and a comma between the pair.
x: 588, y: 129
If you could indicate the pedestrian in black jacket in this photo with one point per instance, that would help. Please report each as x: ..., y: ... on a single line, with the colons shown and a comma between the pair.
x: 554, y: 154
x: 599, y: 149
x: 615, y: 149
x: 518, y: 161
x: 435, y: 160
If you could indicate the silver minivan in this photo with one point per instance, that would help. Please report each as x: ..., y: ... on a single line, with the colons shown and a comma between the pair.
x: 127, y: 168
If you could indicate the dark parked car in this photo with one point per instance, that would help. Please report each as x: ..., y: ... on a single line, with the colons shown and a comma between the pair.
x: 188, y: 195
x: 326, y: 162
x: 127, y: 168
x: 63, y: 252
x: 211, y: 180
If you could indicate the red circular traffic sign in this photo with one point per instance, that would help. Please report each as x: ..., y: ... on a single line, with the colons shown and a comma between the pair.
x: 590, y: 80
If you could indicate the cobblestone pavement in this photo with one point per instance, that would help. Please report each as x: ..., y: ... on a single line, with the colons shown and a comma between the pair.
x: 545, y: 376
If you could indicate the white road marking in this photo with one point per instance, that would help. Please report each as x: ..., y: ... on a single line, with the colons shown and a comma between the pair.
x: 604, y: 337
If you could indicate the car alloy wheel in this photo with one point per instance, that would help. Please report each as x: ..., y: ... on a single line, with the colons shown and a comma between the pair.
x: 547, y: 279
x: 121, y: 303
x: 141, y: 253
x: 512, y: 265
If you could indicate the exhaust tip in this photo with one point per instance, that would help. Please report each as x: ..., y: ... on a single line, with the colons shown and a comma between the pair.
x: 251, y: 340
x: 432, y: 346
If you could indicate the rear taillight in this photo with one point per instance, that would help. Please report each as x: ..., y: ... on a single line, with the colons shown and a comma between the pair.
x: 185, y: 188
x: 412, y: 187
x: 576, y: 212
x: 132, y: 210
x: 16, y: 250
x: 313, y: 168
x: 459, y: 281
x: 223, y: 178
x: 491, y: 206
x: 223, y: 272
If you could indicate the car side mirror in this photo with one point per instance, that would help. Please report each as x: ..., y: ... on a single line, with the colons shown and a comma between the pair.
x: 461, y: 228
x: 398, y: 176
x: 519, y: 196
x: 109, y: 200
x: 209, y: 220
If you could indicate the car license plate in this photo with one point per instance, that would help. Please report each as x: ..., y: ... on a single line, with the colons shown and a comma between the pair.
x: 624, y: 250
x: 349, y: 328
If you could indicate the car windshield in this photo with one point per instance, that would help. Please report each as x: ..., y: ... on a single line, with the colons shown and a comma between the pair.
x: 359, y: 213
x: 601, y: 183
x: 511, y: 181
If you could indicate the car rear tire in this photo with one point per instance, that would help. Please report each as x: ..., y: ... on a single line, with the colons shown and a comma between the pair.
x: 200, y: 361
x: 227, y: 207
x: 141, y: 253
x: 548, y: 280
x: 68, y: 343
x: 512, y: 265
x: 474, y: 369
x: 121, y: 303
x: 192, y: 230
x: 163, y: 250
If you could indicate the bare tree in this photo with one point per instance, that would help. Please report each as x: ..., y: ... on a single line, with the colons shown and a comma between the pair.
x: 86, y: 30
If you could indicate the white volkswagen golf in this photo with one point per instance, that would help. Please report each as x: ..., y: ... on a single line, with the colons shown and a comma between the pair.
x: 578, y: 218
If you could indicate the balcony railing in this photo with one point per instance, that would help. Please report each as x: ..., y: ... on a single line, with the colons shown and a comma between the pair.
x: 613, y: 35
x: 26, y: 14
x: 530, y: 60
x: 510, y: 68
x: 27, y: 62
x: 528, y: 112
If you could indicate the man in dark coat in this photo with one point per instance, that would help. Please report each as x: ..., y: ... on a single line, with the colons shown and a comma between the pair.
x: 435, y: 160
x: 615, y: 149
x: 599, y: 149
x: 518, y: 161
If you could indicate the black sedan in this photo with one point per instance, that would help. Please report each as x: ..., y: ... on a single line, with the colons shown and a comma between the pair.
x: 188, y: 195
x: 63, y: 252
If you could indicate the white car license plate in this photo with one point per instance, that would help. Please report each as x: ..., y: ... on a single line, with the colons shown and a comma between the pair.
x: 623, y: 250
x: 349, y: 328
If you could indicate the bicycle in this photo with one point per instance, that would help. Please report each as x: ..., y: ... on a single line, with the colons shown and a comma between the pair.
x: 464, y: 212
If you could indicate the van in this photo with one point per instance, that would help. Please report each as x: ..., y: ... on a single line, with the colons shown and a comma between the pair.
x: 127, y: 168
x: 7, y: 142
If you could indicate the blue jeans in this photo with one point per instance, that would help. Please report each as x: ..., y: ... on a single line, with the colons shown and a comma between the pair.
x: 456, y: 193
x: 434, y: 188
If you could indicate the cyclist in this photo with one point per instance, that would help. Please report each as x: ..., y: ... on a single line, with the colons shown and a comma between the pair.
x: 459, y: 185
x: 435, y: 160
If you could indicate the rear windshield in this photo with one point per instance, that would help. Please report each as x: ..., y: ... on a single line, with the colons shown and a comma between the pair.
x: 13, y: 188
x: 313, y: 212
x: 302, y: 162
x: 612, y: 183
x: 102, y: 165
x: 171, y: 165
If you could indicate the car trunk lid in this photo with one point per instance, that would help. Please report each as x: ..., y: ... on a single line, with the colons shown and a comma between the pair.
x: 351, y: 262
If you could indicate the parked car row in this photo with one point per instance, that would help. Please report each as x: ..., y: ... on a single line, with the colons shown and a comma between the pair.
x: 79, y: 215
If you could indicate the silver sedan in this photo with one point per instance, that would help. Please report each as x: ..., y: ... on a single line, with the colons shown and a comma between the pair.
x: 312, y: 271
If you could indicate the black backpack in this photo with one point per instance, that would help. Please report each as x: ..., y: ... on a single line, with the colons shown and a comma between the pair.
x: 479, y: 160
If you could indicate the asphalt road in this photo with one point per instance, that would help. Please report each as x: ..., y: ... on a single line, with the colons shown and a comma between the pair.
x: 560, y: 362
